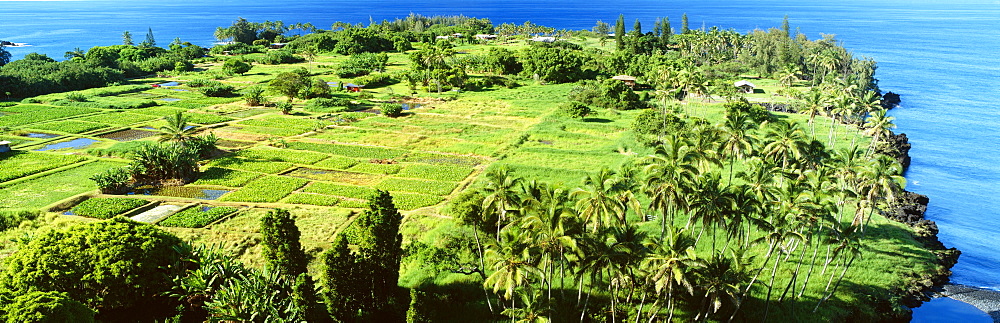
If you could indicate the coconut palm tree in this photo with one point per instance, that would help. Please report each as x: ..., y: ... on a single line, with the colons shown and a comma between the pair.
x: 549, y: 220
x: 878, y: 126
x: 786, y: 143
x: 719, y: 278
x: 669, y: 264
x: 710, y: 203
x: 815, y: 104
x: 598, y: 200
x: 669, y: 170
x: 176, y: 129
x: 739, y: 142
x: 500, y: 194
x: 512, y: 266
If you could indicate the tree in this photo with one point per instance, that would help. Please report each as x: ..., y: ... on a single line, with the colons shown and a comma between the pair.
x: 254, y: 95
x: 602, y: 29
x: 342, y: 281
x: 289, y: 84
x: 305, y: 299
x: 47, y: 307
x: 380, y: 250
x: 241, y: 31
x: 419, y: 311
x: 176, y: 129
x: 282, y: 249
x: 684, y: 24
x: 236, y: 66
x: 122, y: 267
x: 637, y: 27
x: 620, y: 32
x: 127, y: 38
x: 666, y: 31
x: 149, y: 42
x: 599, y: 203
x: 500, y: 195
x: 4, y: 56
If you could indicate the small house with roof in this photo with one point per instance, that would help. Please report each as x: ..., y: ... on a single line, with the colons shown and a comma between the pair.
x: 745, y: 86
x: 4, y: 146
x: 351, y: 87
x: 486, y: 37
x: 628, y: 80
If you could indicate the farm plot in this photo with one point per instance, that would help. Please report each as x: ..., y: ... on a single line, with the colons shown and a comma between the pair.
x: 311, y: 199
x: 106, y: 208
x: 335, y: 176
x: 348, y: 150
x: 283, y: 155
x: 39, y: 192
x: 259, y: 166
x: 197, y: 216
x: 203, y: 118
x: 417, y: 186
x: 302, y: 125
x: 119, y: 118
x: 158, y: 111
x: 23, y: 114
x: 225, y: 177
x: 21, y: 164
x: 436, y: 172
x: 69, y: 126
x: 349, y: 191
x: 265, y: 189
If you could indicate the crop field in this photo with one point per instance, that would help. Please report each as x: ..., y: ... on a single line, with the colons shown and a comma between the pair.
x: 106, y: 208
x: 28, y: 163
x: 197, y: 216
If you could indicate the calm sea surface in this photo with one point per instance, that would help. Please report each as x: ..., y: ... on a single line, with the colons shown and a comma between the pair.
x: 941, y: 56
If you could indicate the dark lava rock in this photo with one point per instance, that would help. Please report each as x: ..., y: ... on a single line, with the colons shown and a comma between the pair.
x: 890, y: 100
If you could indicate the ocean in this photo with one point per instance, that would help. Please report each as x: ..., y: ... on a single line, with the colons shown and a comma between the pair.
x: 939, y: 55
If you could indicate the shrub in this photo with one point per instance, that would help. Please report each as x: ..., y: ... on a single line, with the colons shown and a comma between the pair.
x: 76, y: 97
x: 328, y: 105
x: 237, y: 49
x: 38, y: 307
x: 317, y: 89
x: 236, y: 66
x: 391, y: 110
x: 284, y: 107
x: 114, y: 180
x: 279, y: 57
x: 11, y: 218
x: 574, y: 109
x: 106, y: 208
x: 220, y: 90
x: 376, y: 79
x: 254, y: 95
x: 183, y: 66
x: 201, y: 83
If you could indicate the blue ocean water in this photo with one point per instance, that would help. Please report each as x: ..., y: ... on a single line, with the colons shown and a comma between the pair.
x: 939, y: 55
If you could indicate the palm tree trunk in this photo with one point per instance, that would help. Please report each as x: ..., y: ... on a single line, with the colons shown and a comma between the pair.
x: 642, y: 302
x: 795, y: 275
x: 812, y: 264
x: 770, y: 287
x: 482, y: 268
x: 838, y: 283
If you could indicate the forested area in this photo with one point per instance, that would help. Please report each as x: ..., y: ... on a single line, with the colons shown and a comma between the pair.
x: 712, y: 203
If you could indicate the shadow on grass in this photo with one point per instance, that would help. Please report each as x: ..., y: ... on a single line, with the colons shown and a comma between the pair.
x: 598, y: 120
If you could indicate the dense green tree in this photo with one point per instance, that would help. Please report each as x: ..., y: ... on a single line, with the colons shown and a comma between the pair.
x: 121, y: 267
x: 282, y: 248
x: 502, y: 61
x: 289, y: 84
x: 555, y: 65
x: 4, y: 56
x: 236, y: 66
x: 127, y: 38
x: 305, y: 299
x: 47, y: 307
x: 420, y: 311
x: 684, y: 24
x: 342, y: 281
x: 637, y: 27
x: 149, y: 41
x: 102, y: 56
x: 620, y: 32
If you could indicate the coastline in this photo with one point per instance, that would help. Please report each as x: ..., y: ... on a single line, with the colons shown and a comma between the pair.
x: 909, y: 208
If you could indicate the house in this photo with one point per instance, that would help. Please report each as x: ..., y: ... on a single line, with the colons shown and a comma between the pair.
x: 278, y: 45
x: 442, y: 37
x: 629, y: 80
x: 4, y: 146
x: 544, y: 39
x: 486, y: 37
x: 353, y: 87
x: 745, y: 86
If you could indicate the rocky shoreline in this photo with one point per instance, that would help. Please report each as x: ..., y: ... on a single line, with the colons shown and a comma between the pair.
x: 909, y: 208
